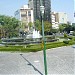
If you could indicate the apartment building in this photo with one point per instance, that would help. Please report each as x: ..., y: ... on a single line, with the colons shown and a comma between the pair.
x: 61, y: 17
x: 25, y: 14
x: 58, y: 18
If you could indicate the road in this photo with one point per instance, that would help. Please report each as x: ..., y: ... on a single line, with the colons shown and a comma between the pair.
x: 59, y: 61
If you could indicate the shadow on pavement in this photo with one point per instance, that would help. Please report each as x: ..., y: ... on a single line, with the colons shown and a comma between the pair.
x: 30, y: 64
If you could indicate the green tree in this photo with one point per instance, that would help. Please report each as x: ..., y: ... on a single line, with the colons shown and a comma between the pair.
x: 47, y: 27
x: 65, y: 27
x: 73, y: 27
x: 23, y: 26
x: 9, y: 25
x: 61, y: 28
x: 38, y: 26
x: 30, y: 24
x: 68, y: 28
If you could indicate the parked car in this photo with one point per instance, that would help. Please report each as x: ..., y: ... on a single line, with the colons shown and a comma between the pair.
x: 73, y: 46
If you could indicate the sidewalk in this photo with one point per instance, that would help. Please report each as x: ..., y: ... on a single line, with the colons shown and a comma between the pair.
x: 60, y: 61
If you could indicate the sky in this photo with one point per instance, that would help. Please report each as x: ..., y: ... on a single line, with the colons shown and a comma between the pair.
x: 74, y: 10
x: 8, y: 7
x: 64, y: 6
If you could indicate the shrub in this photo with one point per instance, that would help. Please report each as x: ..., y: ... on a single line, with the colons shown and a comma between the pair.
x: 35, y: 47
x: 74, y: 39
x: 50, y: 37
x: 70, y: 37
x: 71, y: 42
x: 65, y: 35
x: 66, y: 42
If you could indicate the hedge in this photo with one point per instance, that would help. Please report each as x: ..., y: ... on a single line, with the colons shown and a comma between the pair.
x: 35, y: 47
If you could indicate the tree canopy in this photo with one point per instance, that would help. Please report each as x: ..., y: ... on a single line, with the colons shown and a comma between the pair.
x: 66, y: 27
x: 38, y: 26
x: 9, y: 26
x: 47, y: 26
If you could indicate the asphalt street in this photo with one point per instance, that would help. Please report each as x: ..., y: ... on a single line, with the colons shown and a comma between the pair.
x: 60, y: 61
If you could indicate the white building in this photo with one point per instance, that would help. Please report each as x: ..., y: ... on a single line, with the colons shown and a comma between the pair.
x: 61, y: 17
x: 58, y: 18
x: 25, y: 14
x: 54, y: 23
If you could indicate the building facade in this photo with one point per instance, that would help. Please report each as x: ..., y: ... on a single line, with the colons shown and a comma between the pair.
x: 25, y: 14
x: 54, y: 23
x: 58, y: 18
x: 35, y: 5
x: 61, y: 17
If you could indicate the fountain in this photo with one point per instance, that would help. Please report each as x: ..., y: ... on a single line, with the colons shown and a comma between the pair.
x: 34, y: 34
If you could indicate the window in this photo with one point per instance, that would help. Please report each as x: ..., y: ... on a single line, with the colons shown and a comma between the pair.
x: 23, y: 15
x: 29, y: 13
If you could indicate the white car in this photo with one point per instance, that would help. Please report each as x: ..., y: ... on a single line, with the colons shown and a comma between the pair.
x: 73, y: 46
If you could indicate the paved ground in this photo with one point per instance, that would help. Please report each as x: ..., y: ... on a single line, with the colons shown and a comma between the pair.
x: 59, y: 61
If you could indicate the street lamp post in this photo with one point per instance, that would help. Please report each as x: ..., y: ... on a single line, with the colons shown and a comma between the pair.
x: 43, y: 38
